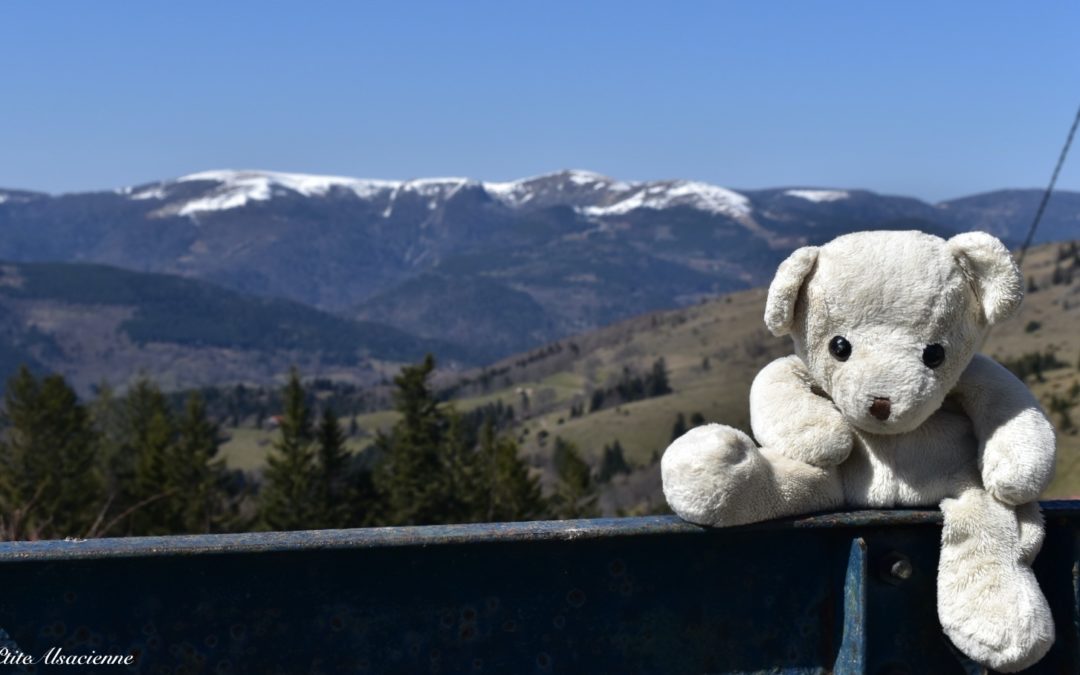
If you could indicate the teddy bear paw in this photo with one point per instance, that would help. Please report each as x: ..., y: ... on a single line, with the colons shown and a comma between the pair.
x: 1004, y: 624
x: 1018, y: 461
x: 1010, y: 485
x: 706, y: 471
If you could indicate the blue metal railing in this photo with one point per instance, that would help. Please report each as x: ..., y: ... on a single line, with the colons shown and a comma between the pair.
x: 845, y: 593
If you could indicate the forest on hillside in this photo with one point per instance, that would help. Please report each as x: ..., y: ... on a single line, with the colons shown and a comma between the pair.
x: 137, y: 465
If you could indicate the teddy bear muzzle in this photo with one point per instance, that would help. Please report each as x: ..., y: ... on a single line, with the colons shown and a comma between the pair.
x: 881, y: 408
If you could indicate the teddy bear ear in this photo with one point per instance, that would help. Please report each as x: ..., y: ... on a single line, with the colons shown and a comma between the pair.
x: 989, y: 267
x: 785, y: 287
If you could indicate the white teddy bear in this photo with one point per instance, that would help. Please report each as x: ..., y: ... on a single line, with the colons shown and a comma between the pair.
x: 886, y: 404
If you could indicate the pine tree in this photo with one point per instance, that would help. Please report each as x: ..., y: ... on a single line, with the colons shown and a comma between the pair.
x: 79, y: 494
x: 151, y: 434
x: 464, y: 488
x: 512, y: 492
x: 410, y: 476
x: 362, y: 505
x: 575, y: 494
x: 115, y: 459
x: 596, y: 402
x: 196, y: 472
x: 658, y: 379
x: 287, y: 498
x: 109, y: 419
x: 613, y: 462
x: 22, y: 479
x: 50, y: 486
x: 679, y: 428
x: 137, y: 455
x: 331, y: 489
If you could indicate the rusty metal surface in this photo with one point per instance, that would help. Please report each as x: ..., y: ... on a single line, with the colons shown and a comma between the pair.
x: 640, y: 595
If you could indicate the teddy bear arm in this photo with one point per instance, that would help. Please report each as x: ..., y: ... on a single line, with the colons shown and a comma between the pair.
x: 788, y: 417
x: 714, y: 475
x: 1016, y: 441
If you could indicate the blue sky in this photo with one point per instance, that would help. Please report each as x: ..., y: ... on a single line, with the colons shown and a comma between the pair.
x: 929, y: 99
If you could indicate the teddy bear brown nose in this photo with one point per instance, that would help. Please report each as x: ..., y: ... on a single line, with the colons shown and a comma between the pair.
x: 880, y: 408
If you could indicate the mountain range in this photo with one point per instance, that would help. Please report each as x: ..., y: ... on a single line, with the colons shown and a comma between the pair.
x: 478, y: 269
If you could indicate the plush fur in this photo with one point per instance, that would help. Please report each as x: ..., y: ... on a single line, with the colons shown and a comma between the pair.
x: 966, y: 435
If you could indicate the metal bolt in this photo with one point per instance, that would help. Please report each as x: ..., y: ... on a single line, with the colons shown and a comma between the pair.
x: 894, y: 568
x: 901, y: 569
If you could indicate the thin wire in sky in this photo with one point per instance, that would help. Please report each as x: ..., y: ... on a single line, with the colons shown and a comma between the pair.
x: 1049, y: 188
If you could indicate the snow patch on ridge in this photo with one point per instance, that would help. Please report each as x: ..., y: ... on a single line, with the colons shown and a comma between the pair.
x: 513, y: 193
x: 433, y: 189
x: 520, y: 192
x: 238, y: 188
x: 661, y: 195
x: 579, y: 177
x: 436, y: 187
x: 309, y: 185
x: 156, y: 192
x: 235, y: 189
x: 818, y: 196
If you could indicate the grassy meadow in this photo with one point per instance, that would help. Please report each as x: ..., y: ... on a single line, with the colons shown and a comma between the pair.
x: 712, y: 351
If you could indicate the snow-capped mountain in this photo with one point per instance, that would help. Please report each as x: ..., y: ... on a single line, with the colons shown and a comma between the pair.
x: 502, y: 265
x: 591, y: 193
x: 225, y: 190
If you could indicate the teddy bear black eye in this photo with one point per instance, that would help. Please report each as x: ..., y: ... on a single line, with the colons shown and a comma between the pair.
x: 933, y: 355
x: 840, y: 348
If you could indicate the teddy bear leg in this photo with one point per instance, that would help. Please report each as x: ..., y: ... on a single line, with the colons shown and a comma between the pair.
x: 989, y: 602
x: 715, y: 475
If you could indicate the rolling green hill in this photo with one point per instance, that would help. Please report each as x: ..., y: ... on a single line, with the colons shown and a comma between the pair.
x: 713, y: 350
x: 94, y: 322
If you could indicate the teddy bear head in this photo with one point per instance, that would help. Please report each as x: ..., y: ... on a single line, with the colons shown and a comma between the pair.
x: 886, y: 322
